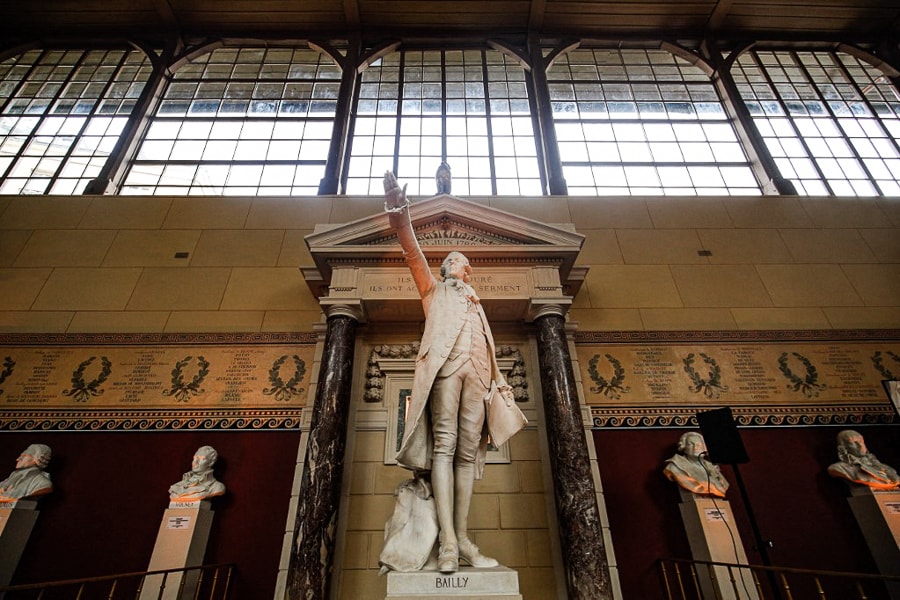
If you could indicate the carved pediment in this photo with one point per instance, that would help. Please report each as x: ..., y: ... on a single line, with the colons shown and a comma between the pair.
x: 490, y: 238
x: 447, y: 231
x: 442, y: 222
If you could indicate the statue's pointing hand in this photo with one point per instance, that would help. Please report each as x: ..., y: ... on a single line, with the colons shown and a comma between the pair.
x: 395, y: 198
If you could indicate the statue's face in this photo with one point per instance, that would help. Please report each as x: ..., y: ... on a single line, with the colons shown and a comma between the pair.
x: 457, y: 267
x: 26, y: 459
x: 694, y: 446
x: 200, y: 462
x: 855, y: 445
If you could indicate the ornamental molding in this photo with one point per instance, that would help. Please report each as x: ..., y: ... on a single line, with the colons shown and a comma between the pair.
x: 757, y: 416
x: 150, y: 420
x: 169, y: 339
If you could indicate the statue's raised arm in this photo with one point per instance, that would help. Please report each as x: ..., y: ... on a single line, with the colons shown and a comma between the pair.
x: 396, y: 204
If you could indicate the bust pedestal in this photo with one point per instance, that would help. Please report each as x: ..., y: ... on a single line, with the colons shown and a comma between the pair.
x: 467, y: 583
x: 180, y: 542
x: 17, y: 519
x: 878, y: 514
x: 713, y: 536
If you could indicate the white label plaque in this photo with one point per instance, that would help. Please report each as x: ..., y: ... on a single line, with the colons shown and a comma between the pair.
x: 714, y: 514
x: 178, y: 523
x: 892, y: 508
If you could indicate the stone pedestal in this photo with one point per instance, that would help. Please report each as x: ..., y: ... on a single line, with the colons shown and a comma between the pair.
x: 467, y: 583
x: 17, y: 519
x: 714, y: 537
x: 878, y: 514
x: 181, y: 542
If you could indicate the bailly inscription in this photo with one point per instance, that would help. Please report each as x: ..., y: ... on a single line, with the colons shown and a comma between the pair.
x: 450, y: 582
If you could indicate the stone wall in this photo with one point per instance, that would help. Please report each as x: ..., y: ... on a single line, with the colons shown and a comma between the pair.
x: 112, y: 263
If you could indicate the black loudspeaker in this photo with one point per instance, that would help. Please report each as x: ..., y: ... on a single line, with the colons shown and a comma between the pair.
x: 723, y: 441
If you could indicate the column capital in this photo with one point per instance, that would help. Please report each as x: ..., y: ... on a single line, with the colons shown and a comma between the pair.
x: 542, y: 307
x: 344, y: 308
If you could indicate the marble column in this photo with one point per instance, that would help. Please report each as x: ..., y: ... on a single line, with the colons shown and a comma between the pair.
x: 312, y: 553
x: 584, y: 553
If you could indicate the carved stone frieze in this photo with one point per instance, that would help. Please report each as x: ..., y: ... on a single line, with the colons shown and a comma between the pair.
x: 509, y: 358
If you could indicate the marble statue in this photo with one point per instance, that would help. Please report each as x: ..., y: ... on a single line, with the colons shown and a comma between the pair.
x: 692, y: 470
x: 198, y: 483
x: 456, y: 375
x: 443, y: 179
x: 858, y: 465
x: 28, y: 480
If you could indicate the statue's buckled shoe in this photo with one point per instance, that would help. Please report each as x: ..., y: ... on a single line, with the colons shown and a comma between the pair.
x: 448, y: 559
x: 470, y: 553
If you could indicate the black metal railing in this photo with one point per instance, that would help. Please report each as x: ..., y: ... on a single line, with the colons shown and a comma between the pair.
x: 207, y: 582
x: 685, y: 579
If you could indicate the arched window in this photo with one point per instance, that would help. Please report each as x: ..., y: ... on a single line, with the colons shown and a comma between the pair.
x: 829, y: 120
x: 466, y: 107
x: 643, y: 122
x: 248, y: 121
x: 61, y: 115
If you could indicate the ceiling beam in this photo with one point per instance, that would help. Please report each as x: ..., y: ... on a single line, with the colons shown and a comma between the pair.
x: 165, y: 12
x: 536, y: 15
x: 351, y: 13
x: 718, y: 15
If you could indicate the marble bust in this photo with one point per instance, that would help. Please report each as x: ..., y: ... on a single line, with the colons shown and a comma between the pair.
x: 857, y: 465
x: 198, y: 483
x: 28, y: 480
x: 692, y: 470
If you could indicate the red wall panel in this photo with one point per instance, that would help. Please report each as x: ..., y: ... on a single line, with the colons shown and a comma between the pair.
x: 801, y: 509
x: 111, y: 491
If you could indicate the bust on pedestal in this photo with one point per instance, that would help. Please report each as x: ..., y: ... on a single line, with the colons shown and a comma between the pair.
x: 184, y: 530
x: 874, y: 500
x: 708, y: 520
x: 18, y: 512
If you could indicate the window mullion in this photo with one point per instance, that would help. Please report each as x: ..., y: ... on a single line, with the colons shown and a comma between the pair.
x: 790, y: 119
x: 849, y: 78
x: 91, y: 115
x: 43, y: 117
x: 443, y: 106
x: 834, y: 117
x: 487, y: 116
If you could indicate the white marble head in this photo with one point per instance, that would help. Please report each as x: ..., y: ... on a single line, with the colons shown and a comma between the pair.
x: 35, y: 455
x: 204, y: 459
x: 456, y: 266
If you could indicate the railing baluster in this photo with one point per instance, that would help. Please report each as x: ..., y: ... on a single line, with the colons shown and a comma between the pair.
x: 162, y: 586
x: 696, y: 579
x: 679, y: 580
x: 786, y: 587
x: 819, y: 590
x: 734, y: 584
x: 200, y: 584
x: 756, y: 582
x: 80, y: 592
x: 215, y: 584
x: 665, y: 579
x: 227, y: 589
x: 862, y: 592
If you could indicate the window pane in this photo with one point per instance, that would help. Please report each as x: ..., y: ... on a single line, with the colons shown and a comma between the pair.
x: 648, y: 122
x: 257, y: 119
